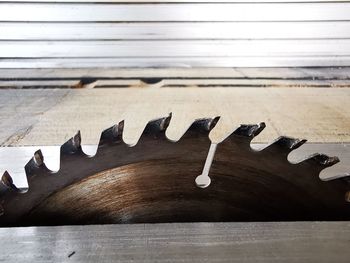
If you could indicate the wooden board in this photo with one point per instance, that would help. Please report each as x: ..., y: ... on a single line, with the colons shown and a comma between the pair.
x: 50, y: 117
x: 317, y: 73
x: 199, y: 242
x: 176, y: 62
x: 166, y: 83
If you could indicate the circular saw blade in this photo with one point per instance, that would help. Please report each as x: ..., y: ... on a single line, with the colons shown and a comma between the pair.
x: 154, y: 181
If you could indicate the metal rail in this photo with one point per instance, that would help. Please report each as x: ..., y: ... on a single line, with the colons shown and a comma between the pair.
x: 195, y: 242
x: 56, y: 34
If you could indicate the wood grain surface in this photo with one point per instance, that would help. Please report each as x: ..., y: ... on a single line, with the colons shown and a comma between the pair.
x: 175, y: 77
x: 51, y: 116
x: 306, y: 73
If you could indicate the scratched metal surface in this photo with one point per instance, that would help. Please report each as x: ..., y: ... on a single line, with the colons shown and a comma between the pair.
x: 187, y: 242
x: 40, y: 34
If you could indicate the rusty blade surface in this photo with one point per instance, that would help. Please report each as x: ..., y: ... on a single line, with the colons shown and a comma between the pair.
x: 267, y: 186
x: 154, y: 181
x: 118, y: 174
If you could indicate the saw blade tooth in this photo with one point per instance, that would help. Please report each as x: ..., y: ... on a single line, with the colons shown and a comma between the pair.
x: 249, y: 130
x: 72, y: 146
x: 113, y: 134
x: 38, y: 158
x: 320, y: 161
x: 201, y: 126
x: 157, y: 126
x: 7, y: 184
x: 155, y: 129
x: 244, y: 134
x: 36, y: 166
x: 283, y: 145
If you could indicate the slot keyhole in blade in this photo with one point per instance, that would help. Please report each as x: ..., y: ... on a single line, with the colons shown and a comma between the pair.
x: 203, y: 180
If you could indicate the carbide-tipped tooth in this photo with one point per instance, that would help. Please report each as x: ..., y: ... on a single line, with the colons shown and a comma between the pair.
x: 157, y: 126
x: 320, y: 160
x: 36, y: 165
x: 284, y: 145
x: 72, y: 146
x: 113, y: 134
x: 7, y: 183
x: 200, y: 127
x: 38, y: 158
x: 250, y: 130
x: 203, y: 126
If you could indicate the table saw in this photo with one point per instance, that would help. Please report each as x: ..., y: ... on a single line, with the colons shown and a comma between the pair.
x: 174, y: 131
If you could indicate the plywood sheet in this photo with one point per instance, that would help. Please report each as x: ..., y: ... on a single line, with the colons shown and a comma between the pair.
x: 50, y: 117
